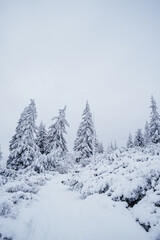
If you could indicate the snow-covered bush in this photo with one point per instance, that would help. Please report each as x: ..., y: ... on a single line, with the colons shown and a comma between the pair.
x: 6, y: 208
x: 54, y: 161
x: 129, y: 175
x: 19, y: 188
x: 40, y: 164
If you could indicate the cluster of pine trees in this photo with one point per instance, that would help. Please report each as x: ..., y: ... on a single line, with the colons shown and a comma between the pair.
x: 30, y: 142
x: 151, y: 133
x: 112, y: 147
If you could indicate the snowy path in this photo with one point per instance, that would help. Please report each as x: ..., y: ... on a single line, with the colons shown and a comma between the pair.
x: 60, y: 214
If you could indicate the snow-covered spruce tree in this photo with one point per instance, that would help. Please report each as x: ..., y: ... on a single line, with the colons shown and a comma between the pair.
x: 23, y: 149
x: 108, y: 149
x: 0, y: 155
x: 146, y: 133
x: 83, y: 144
x: 130, y: 141
x: 96, y: 143
x: 55, y: 139
x: 41, y: 138
x: 154, y: 122
x: 100, y: 148
x: 112, y: 147
x: 115, y: 145
x: 139, y: 139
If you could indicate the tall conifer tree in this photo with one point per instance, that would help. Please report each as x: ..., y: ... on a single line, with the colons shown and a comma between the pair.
x: 130, y: 141
x: 0, y: 154
x: 55, y: 139
x: 84, y: 143
x: 146, y: 133
x: 139, y: 139
x: 23, y: 148
x: 154, y: 122
x: 100, y: 148
x: 41, y: 138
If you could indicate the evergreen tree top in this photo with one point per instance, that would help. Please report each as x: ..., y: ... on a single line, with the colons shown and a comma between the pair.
x: 41, y: 126
x: 130, y: 136
x: 87, y: 108
x: 130, y: 141
x: 87, y: 115
x: 85, y: 141
x: 146, y: 124
x: 154, y: 107
x: 154, y: 122
x: 61, y: 117
x: 139, y: 138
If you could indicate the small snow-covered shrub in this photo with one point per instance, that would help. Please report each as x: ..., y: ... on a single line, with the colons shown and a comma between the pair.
x: 7, y: 238
x: 74, y: 184
x: 58, y: 162
x: 6, y: 208
x: 23, y: 188
x: 54, y: 161
x: 40, y: 164
x: 147, y: 213
x: 6, y: 173
x: 19, y: 188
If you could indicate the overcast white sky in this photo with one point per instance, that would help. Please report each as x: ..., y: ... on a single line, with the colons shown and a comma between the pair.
x: 65, y: 52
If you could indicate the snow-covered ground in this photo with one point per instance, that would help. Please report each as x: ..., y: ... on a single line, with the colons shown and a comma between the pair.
x: 131, y: 176
x: 115, y: 196
x: 61, y: 214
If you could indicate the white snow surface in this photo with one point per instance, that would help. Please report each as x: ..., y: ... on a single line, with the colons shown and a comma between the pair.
x: 112, y: 197
x: 58, y: 213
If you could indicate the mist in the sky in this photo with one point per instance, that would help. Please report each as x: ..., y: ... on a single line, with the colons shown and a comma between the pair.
x: 66, y: 52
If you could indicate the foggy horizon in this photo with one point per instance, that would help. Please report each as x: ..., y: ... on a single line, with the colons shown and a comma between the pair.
x: 64, y: 53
